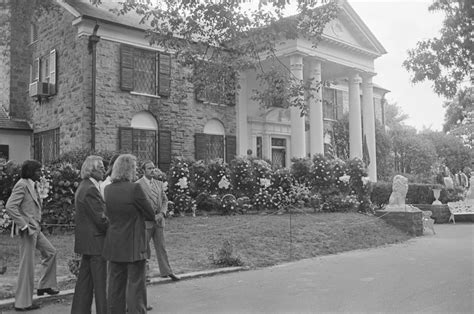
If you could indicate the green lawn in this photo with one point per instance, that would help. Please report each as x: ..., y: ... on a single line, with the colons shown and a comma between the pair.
x: 259, y: 240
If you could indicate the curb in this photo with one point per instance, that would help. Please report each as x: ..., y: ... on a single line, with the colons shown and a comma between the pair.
x: 6, y: 303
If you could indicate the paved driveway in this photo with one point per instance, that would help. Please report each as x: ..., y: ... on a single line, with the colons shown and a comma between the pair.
x: 433, y: 273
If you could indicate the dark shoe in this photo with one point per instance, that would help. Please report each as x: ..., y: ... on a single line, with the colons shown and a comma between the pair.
x: 147, y: 280
x: 149, y: 307
x: 174, y: 277
x: 29, y: 308
x: 49, y: 291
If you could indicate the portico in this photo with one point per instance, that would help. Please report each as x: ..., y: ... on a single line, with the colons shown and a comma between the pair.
x: 344, y: 58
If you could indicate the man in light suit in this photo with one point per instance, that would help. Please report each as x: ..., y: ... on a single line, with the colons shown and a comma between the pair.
x: 24, y: 207
x: 156, y: 195
x: 91, y: 225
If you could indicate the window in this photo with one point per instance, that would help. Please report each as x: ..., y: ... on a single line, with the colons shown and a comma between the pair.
x: 212, y: 146
x: 145, y: 144
x: 332, y: 103
x: 278, y: 153
x: 43, y: 70
x: 33, y: 32
x: 214, y: 83
x: 4, y: 153
x: 46, y: 145
x: 145, y: 71
x: 259, y: 147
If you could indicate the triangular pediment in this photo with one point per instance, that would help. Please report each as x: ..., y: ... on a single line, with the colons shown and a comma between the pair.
x: 349, y: 29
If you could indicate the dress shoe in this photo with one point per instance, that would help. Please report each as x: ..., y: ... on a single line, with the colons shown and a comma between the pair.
x: 149, y: 307
x: 29, y: 308
x: 49, y: 291
x: 174, y: 277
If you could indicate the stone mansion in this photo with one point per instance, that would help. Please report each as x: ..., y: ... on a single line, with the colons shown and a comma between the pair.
x: 83, y: 77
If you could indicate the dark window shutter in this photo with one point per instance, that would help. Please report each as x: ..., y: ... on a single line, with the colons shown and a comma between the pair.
x: 230, y: 147
x: 164, y: 75
x: 126, y: 139
x: 126, y: 68
x: 164, y: 150
x: 201, y: 144
x: 52, y: 72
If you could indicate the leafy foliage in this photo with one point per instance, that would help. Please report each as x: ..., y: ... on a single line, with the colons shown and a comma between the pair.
x: 224, y: 257
x: 447, y: 60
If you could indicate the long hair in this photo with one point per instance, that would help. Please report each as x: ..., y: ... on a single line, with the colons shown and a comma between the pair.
x: 89, y: 165
x: 124, y: 169
x: 29, y: 167
x: 111, y: 164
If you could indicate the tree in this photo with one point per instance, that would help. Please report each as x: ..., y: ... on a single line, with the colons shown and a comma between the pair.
x: 459, y: 116
x: 450, y: 150
x: 226, y: 33
x: 447, y: 60
x: 224, y: 38
x: 394, y: 116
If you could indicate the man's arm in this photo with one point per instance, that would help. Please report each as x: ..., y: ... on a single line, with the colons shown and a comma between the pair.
x: 95, y: 208
x: 13, y: 205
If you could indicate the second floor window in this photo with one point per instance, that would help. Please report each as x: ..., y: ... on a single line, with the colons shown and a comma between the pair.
x: 145, y: 71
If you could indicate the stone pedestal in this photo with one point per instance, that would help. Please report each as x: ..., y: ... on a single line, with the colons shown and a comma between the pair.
x: 409, y: 222
x: 440, y: 212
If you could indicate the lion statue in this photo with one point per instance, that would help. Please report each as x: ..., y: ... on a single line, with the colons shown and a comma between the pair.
x: 396, y: 201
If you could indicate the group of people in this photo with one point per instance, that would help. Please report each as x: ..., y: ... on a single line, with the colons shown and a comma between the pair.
x: 115, y: 219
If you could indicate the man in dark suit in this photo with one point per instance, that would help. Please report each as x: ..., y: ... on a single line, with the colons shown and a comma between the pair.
x: 156, y: 195
x: 24, y: 207
x: 125, y: 243
x: 91, y: 226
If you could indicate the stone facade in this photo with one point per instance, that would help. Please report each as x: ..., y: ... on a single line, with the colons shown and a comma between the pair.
x: 70, y: 109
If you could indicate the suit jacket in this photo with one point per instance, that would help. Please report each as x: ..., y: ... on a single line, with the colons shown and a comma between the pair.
x: 24, y: 206
x: 156, y: 195
x: 127, y: 209
x: 91, y: 223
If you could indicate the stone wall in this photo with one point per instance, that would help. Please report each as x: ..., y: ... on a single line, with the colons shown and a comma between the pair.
x: 409, y: 222
x: 181, y: 114
x: 69, y: 109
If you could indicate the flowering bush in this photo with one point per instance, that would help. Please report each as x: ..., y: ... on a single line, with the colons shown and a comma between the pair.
x: 340, y: 203
x: 179, y: 187
x: 59, y: 184
x: 301, y: 194
x: 218, y: 169
x: 360, y: 183
x: 242, y: 177
x: 229, y: 204
x: 262, y: 200
x: 301, y: 169
x: 321, y: 173
x: 261, y: 170
x: 200, y: 178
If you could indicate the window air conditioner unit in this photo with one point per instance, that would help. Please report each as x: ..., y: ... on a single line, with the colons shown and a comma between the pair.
x: 40, y: 89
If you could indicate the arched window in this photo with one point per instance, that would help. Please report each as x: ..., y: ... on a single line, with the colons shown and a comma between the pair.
x: 213, y: 143
x: 141, y: 139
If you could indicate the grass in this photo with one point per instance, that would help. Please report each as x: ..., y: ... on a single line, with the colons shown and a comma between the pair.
x: 259, y: 240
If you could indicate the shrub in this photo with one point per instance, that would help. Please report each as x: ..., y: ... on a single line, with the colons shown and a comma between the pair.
x: 300, y: 169
x: 219, y: 176
x: 178, y: 186
x: 224, y: 256
x: 340, y: 203
x: 321, y: 174
x: 199, y: 177
x: 242, y: 177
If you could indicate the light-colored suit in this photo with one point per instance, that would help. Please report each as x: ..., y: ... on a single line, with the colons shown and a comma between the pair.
x: 156, y: 195
x: 24, y: 207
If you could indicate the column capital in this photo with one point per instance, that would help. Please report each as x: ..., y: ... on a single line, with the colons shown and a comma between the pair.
x: 367, y: 76
x: 354, y: 77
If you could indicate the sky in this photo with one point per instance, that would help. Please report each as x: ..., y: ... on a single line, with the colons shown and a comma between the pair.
x: 399, y: 25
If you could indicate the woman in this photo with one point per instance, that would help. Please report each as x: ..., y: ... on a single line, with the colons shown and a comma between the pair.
x: 125, y: 244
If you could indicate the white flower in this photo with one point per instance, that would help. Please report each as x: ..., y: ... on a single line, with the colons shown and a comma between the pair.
x: 182, y: 182
x: 345, y: 178
x: 365, y: 180
x: 223, y: 183
x: 265, y: 182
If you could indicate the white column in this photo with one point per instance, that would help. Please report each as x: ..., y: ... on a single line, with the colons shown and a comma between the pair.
x: 355, y: 123
x: 298, y: 143
x: 241, y: 111
x: 369, y: 123
x: 315, y: 104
